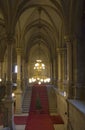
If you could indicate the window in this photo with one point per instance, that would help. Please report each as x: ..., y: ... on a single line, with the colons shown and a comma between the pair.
x: 15, y: 69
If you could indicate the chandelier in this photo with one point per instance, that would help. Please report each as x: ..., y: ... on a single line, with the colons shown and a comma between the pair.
x: 39, y: 66
x: 39, y: 73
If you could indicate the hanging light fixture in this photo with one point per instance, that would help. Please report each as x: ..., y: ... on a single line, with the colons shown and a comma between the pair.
x: 39, y: 66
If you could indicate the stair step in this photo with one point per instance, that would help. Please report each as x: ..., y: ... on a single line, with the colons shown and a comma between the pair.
x: 27, y: 100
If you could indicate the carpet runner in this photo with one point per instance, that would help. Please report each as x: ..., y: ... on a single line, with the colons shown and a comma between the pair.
x: 20, y: 120
x: 40, y: 121
x: 41, y: 92
x: 56, y: 119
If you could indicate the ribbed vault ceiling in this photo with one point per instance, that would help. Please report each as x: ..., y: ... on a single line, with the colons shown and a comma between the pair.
x: 36, y: 21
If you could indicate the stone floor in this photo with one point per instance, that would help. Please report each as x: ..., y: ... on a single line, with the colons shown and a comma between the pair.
x: 56, y: 126
x: 20, y: 127
x: 17, y: 127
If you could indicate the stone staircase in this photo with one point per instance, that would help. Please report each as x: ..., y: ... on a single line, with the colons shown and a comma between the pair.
x: 52, y: 100
x: 26, y: 100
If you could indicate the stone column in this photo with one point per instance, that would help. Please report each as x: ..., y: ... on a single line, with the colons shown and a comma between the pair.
x: 69, y: 44
x: 18, y: 92
x: 55, y: 72
x: 8, y: 121
x: 5, y: 68
x: 51, y: 72
x: 23, y: 74
x: 26, y: 73
x: 63, y: 51
x: 1, y: 73
x: 79, y: 87
x: 53, y: 79
x: 59, y: 68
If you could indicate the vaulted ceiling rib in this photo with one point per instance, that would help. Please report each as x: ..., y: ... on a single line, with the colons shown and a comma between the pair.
x: 22, y: 20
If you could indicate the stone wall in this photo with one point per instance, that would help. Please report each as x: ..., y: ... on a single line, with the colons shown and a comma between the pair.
x: 76, y: 118
x: 62, y: 108
x: 72, y: 112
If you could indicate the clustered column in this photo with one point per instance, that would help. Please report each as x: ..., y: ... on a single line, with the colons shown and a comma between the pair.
x: 8, y: 120
x: 1, y: 71
x: 23, y: 72
x: 53, y: 71
x: 69, y: 45
x: 59, y: 69
x: 18, y: 92
x: 63, y: 54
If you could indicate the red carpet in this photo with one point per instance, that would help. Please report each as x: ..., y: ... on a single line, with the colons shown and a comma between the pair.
x: 40, y: 91
x: 43, y: 120
x: 56, y: 119
x: 40, y: 121
x: 20, y: 120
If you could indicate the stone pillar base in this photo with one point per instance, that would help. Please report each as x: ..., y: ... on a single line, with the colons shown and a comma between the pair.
x: 8, y: 120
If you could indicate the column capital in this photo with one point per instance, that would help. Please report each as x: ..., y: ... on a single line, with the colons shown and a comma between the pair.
x: 68, y: 38
x: 60, y: 50
x: 19, y: 50
x: 10, y: 39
